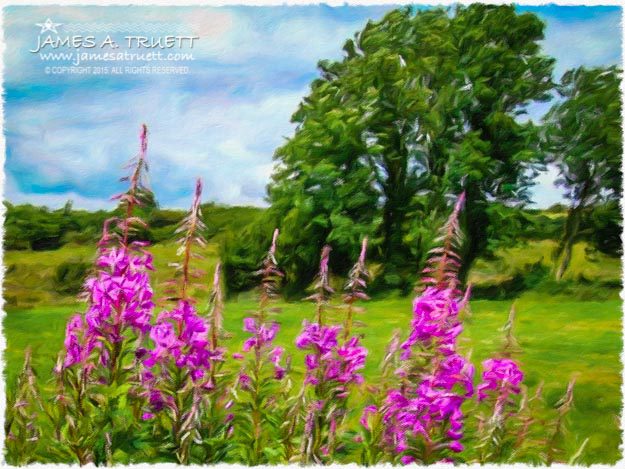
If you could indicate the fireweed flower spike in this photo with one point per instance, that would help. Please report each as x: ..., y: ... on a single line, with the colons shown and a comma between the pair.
x: 181, y: 361
x: 216, y: 308
x: 444, y: 262
x: 138, y: 191
x: 501, y: 378
x: 119, y: 293
x: 192, y: 226
x: 270, y: 277
x: 331, y: 367
x: 501, y: 382
x: 323, y: 290
x: 355, y: 288
x: 24, y: 405
x: 261, y: 370
x: 99, y: 346
x: 423, y: 418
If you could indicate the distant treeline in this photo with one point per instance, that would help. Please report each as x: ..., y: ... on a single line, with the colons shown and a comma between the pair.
x: 39, y: 228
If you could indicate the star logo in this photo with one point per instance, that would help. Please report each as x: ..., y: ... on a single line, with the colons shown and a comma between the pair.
x: 48, y: 25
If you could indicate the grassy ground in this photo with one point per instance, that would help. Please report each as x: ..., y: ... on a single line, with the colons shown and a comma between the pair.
x: 585, y: 265
x: 560, y: 339
x: 29, y: 278
x: 561, y: 336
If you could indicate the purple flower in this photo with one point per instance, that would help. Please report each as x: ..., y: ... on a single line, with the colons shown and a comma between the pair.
x: 435, y: 402
x: 429, y: 407
x: 434, y: 321
x: 262, y: 339
x: 312, y: 362
x: 261, y: 334
x: 156, y: 400
x: 120, y: 299
x: 164, y: 335
x: 338, y: 363
x: 455, y: 369
x: 180, y: 339
x: 350, y: 357
x: 500, y: 374
x: 275, y: 356
x: 456, y: 446
x: 197, y: 374
x: 433, y: 390
x: 120, y: 294
x: 501, y: 377
x: 364, y: 421
x: 244, y: 381
x: 73, y: 336
x: 322, y: 338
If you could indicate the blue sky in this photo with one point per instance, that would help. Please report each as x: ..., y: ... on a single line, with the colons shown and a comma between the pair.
x: 68, y: 136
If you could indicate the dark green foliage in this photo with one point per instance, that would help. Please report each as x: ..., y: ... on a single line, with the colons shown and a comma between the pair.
x: 39, y: 228
x: 531, y: 277
x: 583, y: 134
x: 510, y: 226
x: 605, y: 226
x: 241, y: 252
x: 70, y: 276
x: 542, y: 226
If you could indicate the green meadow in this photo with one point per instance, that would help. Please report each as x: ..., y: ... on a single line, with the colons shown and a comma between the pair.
x: 572, y: 332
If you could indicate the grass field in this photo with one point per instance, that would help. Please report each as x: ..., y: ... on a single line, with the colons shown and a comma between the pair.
x: 560, y: 338
x: 561, y: 335
x: 29, y: 277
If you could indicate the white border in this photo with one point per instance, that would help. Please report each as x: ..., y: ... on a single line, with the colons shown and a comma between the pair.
x: 5, y: 3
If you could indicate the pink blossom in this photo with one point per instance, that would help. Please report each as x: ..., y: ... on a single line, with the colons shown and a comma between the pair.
x: 180, y: 337
x: 501, y: 377
x: 434, y: 321
x: 120, y: 299
x: 339, y: 363
x: 371, y: 409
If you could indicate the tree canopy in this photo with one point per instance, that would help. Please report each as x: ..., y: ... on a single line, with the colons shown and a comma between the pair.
x: 583, y: 139
x: 422, y: 106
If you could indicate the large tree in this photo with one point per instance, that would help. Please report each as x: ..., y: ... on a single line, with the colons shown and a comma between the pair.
x: 422, y: 105
x: 584, y: 140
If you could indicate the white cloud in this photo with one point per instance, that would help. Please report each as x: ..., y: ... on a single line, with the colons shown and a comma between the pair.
x: 229, y: 143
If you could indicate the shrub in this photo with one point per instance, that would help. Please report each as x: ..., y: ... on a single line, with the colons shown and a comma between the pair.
x: 604, y: 224
x: 69, y: 276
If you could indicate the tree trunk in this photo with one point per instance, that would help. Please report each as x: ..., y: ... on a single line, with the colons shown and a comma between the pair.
x: 475, y: 230
x: 564, y: 253
x: 395, y: 207
x: 392, y: 221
